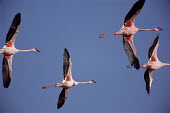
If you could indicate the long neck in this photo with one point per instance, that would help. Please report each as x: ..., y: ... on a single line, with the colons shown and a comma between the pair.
x: 25, y: 50
x: 166, y: 64
x: 146, y: 29
x: 83, y: 82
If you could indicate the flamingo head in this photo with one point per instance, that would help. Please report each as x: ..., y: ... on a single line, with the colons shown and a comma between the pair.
x: 158, y: 28
x: 35, y: 50
x: 92, y: 81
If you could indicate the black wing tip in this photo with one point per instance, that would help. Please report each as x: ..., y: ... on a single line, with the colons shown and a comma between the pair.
x: 152, y: 47
x: 6, y: 86
x: 148, y: 90
x: 59, y: 105
x: 138, y: 5
x: 157, y: 38
x: 136, y: 63
x: 147, y: 81
x: 17, y: 20
x: 7, y: 83
x: 142, y: 1
x: 6, y: 73
x: 18, y: 14
x: 155, y: 41
x: 65, y: 49
x: 66, y: 52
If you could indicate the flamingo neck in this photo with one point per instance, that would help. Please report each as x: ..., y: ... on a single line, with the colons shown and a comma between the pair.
x: 24, y: 50
x: 76, y: 83
x: 166, y: 64
x: 146, y: 30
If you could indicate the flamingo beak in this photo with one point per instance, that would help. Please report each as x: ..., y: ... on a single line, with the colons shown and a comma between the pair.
x: 93, y: 81
x: 160, y: 28
x: 37, y: 50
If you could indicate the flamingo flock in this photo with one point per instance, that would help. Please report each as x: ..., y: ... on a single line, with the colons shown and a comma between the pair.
x: 128, y: 31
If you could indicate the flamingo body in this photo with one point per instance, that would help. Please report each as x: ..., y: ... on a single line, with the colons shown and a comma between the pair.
x: 127, y: 31
x: 68, y: 81
x: 153, y: 64
x: 9, y: 50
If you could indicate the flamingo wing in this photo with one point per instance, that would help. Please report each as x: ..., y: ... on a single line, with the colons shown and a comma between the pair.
x: 7, y: 70
x: 13, y: 30
x: 148, y: 79
x: 152, y: 53
x: 67, y: 65
x: 62, y: 98
x: 131, y: 51
x: 131, y: 15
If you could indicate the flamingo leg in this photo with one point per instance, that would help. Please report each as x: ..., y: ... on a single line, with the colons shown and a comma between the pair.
x: 102, y: 35
x: 51, y: 86
x: 107, y: 36
x: 107, y: 33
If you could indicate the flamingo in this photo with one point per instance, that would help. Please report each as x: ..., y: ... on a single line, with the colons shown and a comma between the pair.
x: 153, y: 64
x: 128, y: 30
x: 68, y: 81
x: 9, y: 50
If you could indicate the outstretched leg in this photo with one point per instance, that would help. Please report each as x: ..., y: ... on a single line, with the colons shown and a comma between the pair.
x: 107, y: 36
x: 102, y: 35
x: 53, y: 86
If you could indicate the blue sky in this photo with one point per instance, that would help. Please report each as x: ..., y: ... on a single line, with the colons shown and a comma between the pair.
x: 54, y: 25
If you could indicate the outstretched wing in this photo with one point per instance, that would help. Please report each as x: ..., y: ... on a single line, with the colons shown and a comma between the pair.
x: 62, y: 98
x: 67, y: 65
x: 152, y: 53
x: 7, y: 70
x: 148, y: 79
x: 131, y: 15
x: 13, y: 30
x: 131, y: 51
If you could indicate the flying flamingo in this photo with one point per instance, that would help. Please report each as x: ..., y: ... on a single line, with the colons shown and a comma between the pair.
x: 9, y: 50
x: 68, y: 81
x: 128, y: 30
x: 153, y: 64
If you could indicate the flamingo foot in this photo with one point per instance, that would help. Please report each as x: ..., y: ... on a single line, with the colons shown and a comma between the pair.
x: 51, y: 86
x: 45, y: 87
x: 107, y: 36
x: 101, y: 34
x: 130, y: 66
x: 101, y: 37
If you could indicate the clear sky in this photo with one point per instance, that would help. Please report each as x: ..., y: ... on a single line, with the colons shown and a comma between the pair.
x: 52, y: 25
